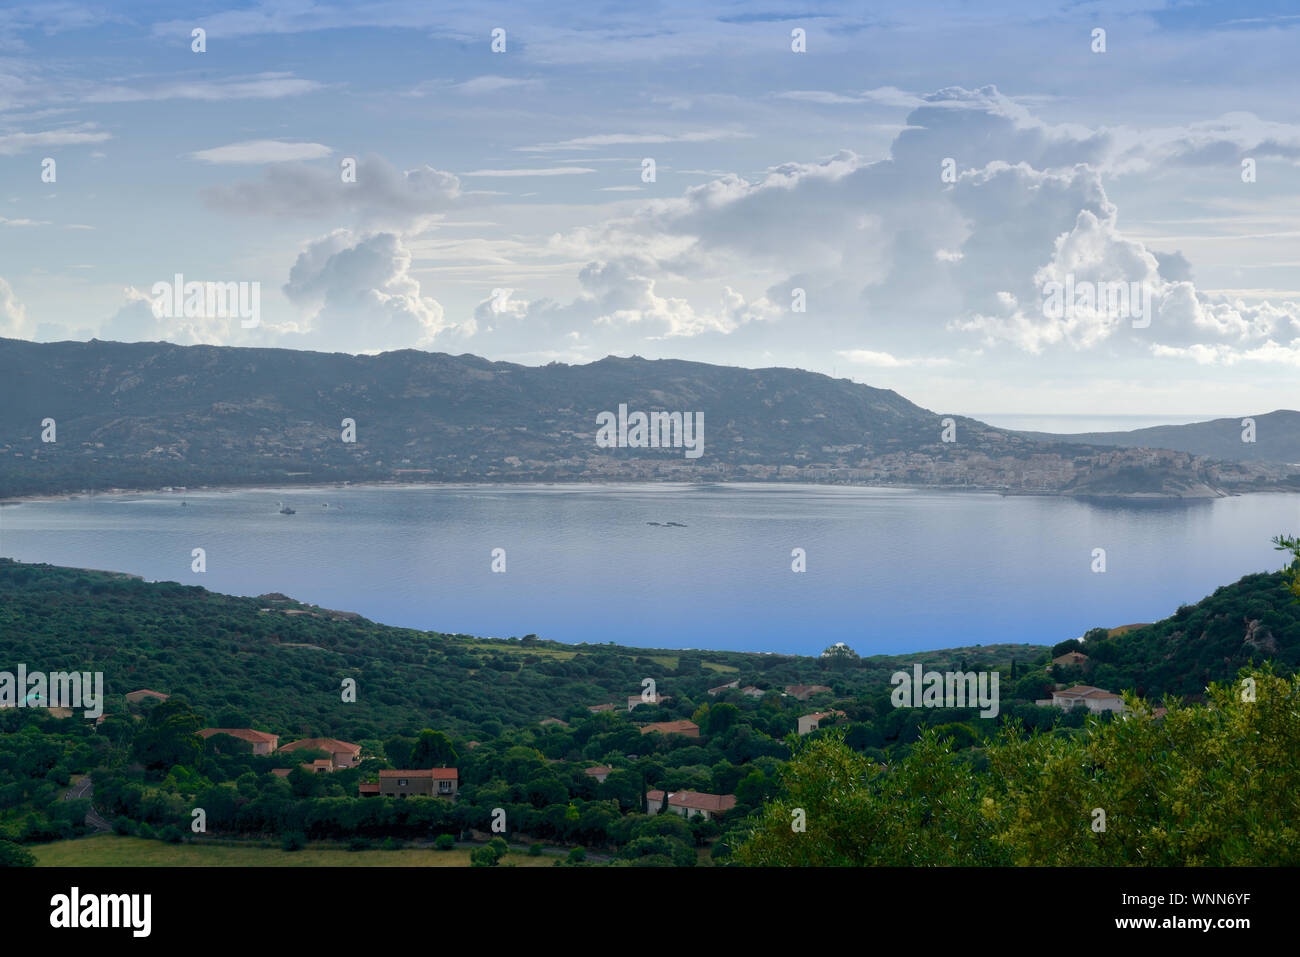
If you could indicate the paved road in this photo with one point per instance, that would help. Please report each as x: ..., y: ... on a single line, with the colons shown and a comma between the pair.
x: 85, y: 788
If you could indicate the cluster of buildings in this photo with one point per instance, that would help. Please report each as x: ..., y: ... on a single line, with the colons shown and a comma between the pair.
x: 424, y: 782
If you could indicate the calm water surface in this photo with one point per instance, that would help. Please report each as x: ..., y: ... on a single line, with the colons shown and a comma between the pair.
x: 888, y: 570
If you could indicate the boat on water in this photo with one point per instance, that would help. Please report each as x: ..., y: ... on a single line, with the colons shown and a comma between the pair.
x: 286, y: 510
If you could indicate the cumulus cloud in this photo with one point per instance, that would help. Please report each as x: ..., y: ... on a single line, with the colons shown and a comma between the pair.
x: 14, y: 323
x: 382, y: 196
x: 137, y: 321
x: 890, y: 251
x: 358, y: 295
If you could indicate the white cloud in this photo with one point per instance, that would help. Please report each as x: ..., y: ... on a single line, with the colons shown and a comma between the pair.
x: 260, y: 86
x: 262, y: 151
x: 358, y: 295
x: 547, y: 171
x: 14, y: 322
x: 883, y: 360
x: 135, y: 321
x: 11, y: 144
x: 492, y: 84
x: 634, y: 139
x: 382, y: 196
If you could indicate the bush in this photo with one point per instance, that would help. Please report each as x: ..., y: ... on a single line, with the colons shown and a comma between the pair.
x: 577, y: 855
x: 123, y: 825
x: 171, y: 834
x: 499, y: 845
x: 293, y: 841
x: 12, y: 855
x: 444, y: 842
x: 483, y: 857
x: 535, y: 850
x: 360, y: 844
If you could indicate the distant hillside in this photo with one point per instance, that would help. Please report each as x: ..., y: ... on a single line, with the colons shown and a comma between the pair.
x: 1277, y: 438
x: 1253, y: 620
x: 147, y: 415
x: 245, y: 660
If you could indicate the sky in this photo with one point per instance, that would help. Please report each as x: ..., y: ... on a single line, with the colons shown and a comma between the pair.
x: 919, y: 196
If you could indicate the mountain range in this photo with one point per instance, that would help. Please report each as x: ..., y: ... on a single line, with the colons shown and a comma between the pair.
x: 98, y: 415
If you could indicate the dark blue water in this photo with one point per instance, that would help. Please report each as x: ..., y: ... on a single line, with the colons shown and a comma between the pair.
x: 888, y: 571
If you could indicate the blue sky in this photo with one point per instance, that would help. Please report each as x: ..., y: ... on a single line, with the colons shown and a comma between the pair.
x: 500, y: 206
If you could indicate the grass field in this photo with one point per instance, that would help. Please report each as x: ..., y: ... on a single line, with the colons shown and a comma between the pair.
x: 112, y: 850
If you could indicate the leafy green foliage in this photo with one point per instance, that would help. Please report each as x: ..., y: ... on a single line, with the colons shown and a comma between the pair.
x: 1213, y: 785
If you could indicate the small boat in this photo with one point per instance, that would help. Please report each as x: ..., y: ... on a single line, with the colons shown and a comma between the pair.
x: 286, y: 510
x: 182, y: 505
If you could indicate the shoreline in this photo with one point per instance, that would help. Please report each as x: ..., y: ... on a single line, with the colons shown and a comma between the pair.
x: 899, y: 486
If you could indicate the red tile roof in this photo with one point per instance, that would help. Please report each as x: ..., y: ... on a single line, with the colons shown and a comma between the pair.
x: 694, y: 800
x: 826, y: 714
x: 672, y: 727
x: 332, y: 745
x: 438, y: 774
x: 244, y: 734
x: 1085, y: 691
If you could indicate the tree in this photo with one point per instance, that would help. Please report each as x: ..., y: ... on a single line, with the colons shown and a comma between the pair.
x: 1070, y: 644
x: 1287, y: 543
x: 1205, y: 785
x: 840, y: 656
x: 169, y: 736
x: 397, y: 750
x: 432, y: 750
x: 719, y: 718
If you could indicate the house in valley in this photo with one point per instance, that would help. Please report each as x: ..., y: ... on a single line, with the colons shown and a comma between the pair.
x: 687, y: 728
x: 690, y: 804
x: 137, y: 696
x: 1070, y: 658
x: 341, y: 753
x: 1094, y: 699
x: 262, y: 742
x: 808, y: 723
x: 635, y: 700
x: 425, y: 782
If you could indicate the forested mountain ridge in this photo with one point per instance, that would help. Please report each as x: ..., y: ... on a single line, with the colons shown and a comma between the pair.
x: 148, y: 415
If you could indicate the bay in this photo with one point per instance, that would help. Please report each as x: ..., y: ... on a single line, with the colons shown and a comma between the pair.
x: 888, y: 570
